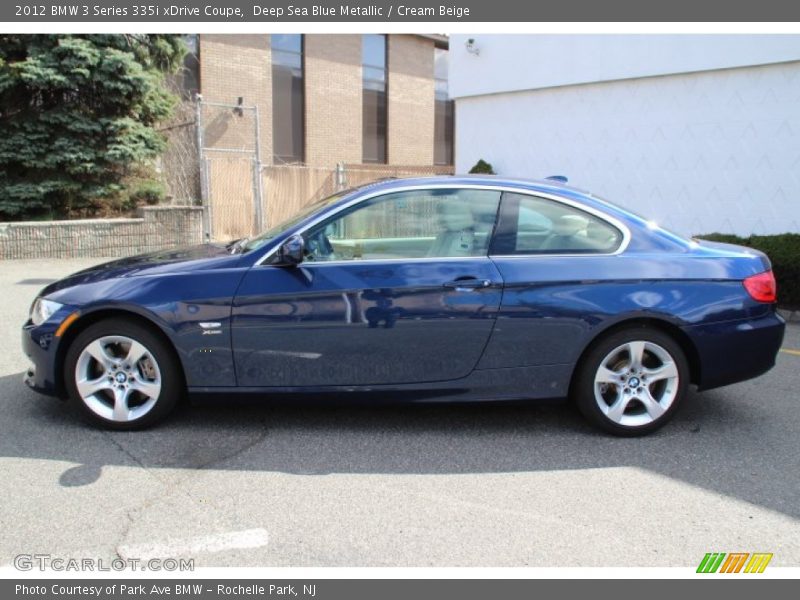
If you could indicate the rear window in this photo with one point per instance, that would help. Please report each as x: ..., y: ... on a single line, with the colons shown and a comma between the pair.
x: 543, y: 226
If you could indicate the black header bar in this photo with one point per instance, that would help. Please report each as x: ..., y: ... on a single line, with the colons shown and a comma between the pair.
x: 413, y: 11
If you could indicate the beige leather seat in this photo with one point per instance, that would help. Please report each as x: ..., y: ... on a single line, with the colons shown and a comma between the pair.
x: 457, y: 237
x: 601, y: 236
x: 569, y: 233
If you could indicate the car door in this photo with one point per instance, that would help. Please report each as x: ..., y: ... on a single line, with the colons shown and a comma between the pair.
x: 552, y: 256
x: 396, y: 289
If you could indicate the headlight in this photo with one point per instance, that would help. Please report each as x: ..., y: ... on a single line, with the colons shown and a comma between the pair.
x: 43, y: 309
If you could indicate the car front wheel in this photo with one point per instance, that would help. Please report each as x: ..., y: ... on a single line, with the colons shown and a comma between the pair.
x: 632, y: 381
x: 120, y: 375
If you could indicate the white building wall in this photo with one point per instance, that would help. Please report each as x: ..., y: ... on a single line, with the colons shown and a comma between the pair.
x: 513, y: 62
x: 704, y: 151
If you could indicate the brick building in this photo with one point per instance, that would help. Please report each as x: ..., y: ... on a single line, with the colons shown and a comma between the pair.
x: 325, y: 99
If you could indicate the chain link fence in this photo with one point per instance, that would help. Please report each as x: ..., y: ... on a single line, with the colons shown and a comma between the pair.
x: 360, y: 174
x: 242, y: 196
x: 231, y: 196
x: 179, y: 166
x: 230, y: 184
x: 154, y: 228
x: 290, y: 188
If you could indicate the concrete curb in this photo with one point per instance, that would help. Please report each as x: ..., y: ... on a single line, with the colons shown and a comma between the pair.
x: 791, y: 316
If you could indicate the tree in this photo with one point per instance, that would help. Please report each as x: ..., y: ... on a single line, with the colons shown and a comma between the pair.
x: 482, y: 167
x: 77, y: 113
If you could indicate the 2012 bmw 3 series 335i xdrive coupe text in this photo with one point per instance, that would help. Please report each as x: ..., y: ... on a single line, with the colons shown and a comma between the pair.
x: 447, y: 288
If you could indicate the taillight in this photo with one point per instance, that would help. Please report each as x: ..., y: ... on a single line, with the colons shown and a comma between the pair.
x: 762, y: 287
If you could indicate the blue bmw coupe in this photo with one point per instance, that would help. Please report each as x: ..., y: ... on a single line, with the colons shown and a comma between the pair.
x: 449, y: 288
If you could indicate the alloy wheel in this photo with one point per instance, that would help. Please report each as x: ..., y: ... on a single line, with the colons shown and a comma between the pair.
x: 636, y: 383
x: 118, y: 378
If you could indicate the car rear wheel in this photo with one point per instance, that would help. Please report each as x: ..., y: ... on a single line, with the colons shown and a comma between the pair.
x: 632, y: 381
x: 120, y: 375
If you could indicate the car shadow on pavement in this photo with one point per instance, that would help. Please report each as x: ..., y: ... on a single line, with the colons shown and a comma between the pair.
x: 731, y: 441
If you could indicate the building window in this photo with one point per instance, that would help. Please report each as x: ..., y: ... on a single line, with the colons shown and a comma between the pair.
x: 373, y: 61
x: 288, y: 130
x: 444, y: 112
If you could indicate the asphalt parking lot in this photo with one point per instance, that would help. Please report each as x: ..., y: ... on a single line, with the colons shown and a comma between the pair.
x: 306, y: 484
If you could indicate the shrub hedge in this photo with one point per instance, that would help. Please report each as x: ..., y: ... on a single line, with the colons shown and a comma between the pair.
x: 482, y: 167
x: 784, y: 252
x: 147, y: 192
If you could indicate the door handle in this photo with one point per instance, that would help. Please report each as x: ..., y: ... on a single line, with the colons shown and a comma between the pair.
x: 467, y: 283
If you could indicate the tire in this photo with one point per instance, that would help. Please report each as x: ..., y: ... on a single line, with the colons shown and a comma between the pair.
x: 631, y: 397
x: 120, y: 375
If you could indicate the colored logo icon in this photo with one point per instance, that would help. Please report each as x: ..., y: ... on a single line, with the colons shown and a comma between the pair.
x: 734, y: 562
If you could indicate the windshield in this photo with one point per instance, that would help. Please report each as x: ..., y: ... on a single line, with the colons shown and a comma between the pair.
x: 270, y: 234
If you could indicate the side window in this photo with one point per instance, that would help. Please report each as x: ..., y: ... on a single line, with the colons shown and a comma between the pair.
x: 534, y: 225
x: 413, y: 224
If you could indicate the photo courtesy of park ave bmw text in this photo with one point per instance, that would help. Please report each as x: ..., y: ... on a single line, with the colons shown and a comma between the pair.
x: 365, y: 299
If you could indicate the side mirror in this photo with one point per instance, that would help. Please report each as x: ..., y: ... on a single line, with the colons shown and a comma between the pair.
x: 291, y: 252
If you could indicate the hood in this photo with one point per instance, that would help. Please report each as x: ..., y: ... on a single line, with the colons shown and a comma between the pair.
x: 191, y: 258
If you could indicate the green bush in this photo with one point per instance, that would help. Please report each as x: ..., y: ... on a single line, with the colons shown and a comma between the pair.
x: 784, y: 252
x: 483, y: 167
x: 147, y: 192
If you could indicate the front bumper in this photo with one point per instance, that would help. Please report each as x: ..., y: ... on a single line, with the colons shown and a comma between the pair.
x: 41, y: 347
x: 734, y: 351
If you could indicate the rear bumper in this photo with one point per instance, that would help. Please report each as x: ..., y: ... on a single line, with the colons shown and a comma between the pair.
x: 735, y: 351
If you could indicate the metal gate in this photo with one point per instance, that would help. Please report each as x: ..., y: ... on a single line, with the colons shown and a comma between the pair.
x: 241, y: 196
x: 228, y: 136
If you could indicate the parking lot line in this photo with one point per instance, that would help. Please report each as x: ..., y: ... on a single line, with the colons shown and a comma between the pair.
x: 791, y: 351
x: 249, y: 538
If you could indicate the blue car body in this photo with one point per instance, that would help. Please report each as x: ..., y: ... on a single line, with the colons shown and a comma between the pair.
x: 281, y: 329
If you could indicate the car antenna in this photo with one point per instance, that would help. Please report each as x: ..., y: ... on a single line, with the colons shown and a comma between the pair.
x: 558, y: 178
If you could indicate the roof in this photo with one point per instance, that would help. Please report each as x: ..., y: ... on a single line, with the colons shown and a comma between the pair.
x: 543, y: 185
